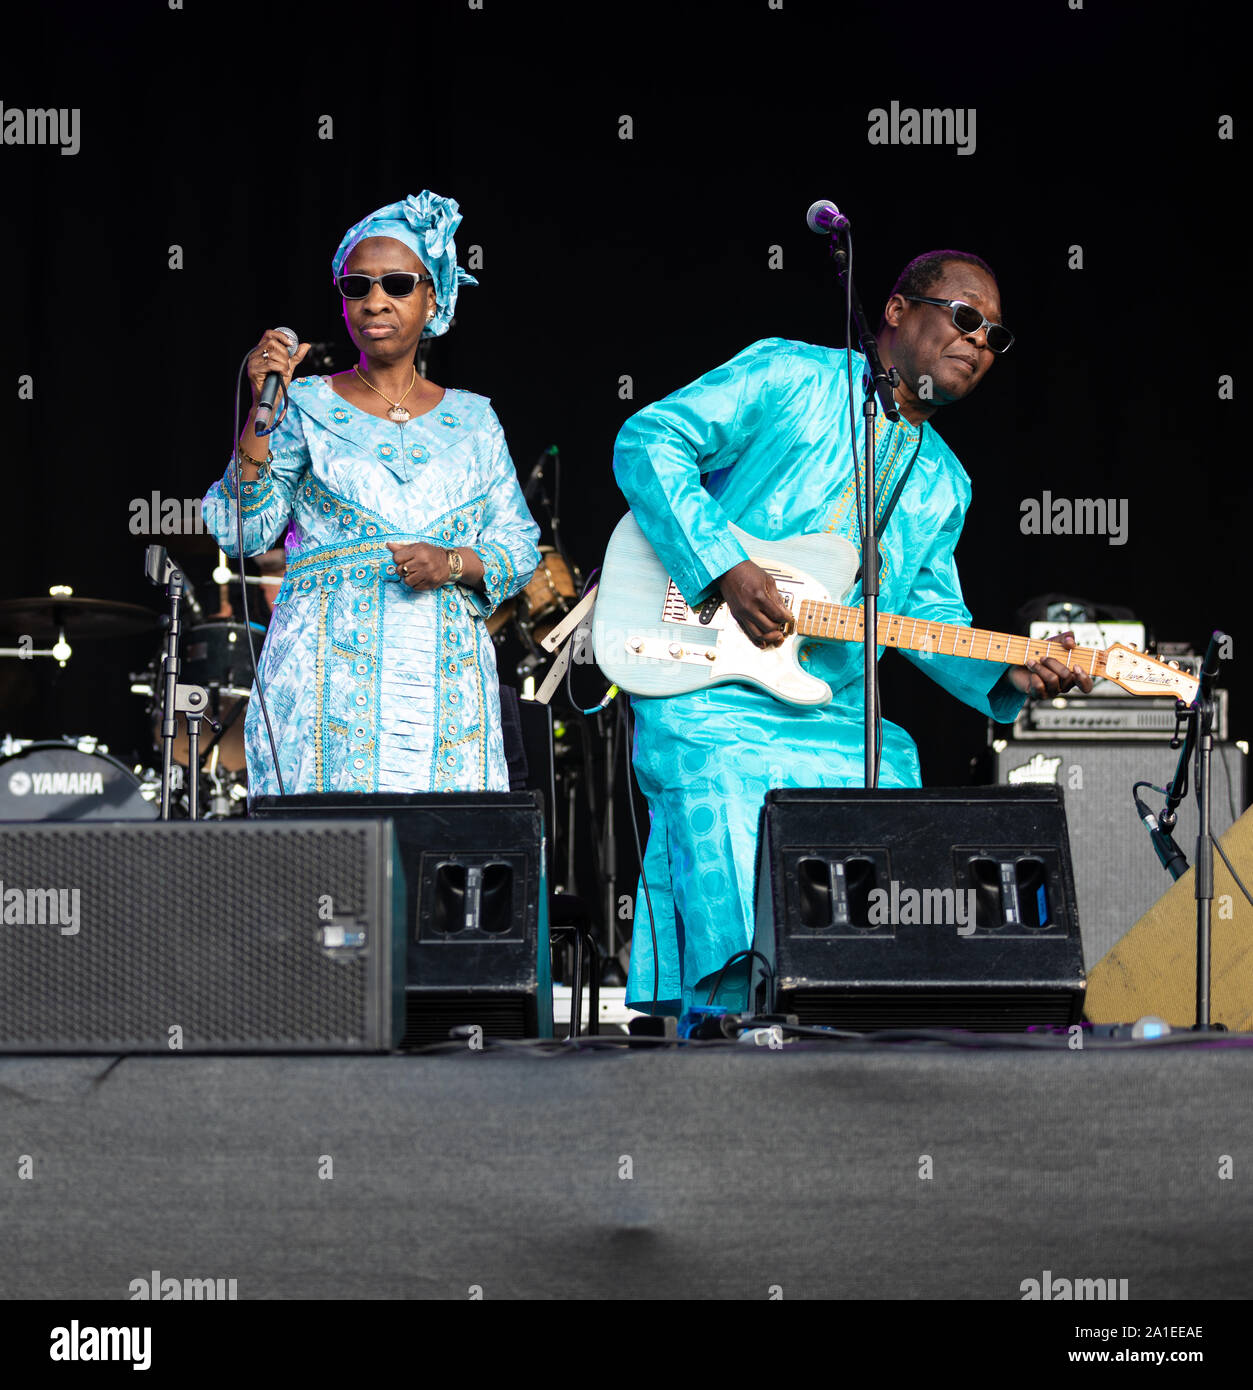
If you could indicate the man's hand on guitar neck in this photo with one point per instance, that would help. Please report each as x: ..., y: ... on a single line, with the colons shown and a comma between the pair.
x: 1043, y: 679
x: 753, y: 598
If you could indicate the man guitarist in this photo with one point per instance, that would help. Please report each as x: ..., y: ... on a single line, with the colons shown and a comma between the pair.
x: 764, y: 442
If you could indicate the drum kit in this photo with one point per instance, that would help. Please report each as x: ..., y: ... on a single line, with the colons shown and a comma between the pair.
x: 77, y: 777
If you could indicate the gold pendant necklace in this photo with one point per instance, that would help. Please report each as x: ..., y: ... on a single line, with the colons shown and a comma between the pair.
x: 397, y: 412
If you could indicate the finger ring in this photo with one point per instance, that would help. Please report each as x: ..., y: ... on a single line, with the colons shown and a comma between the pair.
x: 266, y: 354
x: 404, y: 569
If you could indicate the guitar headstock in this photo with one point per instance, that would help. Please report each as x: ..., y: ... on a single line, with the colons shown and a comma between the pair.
x: 1144, y: 675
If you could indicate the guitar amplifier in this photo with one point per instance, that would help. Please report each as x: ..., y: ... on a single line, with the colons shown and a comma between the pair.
x: 1117, y: 874
x: 1108, y: 717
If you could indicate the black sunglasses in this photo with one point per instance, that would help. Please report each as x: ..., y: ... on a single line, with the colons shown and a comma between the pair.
x: 396, y: 283
x: 969, y: 320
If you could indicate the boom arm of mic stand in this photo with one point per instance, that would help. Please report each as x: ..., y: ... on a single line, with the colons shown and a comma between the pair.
x: 1178, y: 788
x: 868, y: 341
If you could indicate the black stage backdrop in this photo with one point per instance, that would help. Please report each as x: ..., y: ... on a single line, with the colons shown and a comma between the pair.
x: 636, y: 177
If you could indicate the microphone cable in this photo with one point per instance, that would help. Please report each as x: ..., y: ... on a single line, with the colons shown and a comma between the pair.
x: 243, y: 587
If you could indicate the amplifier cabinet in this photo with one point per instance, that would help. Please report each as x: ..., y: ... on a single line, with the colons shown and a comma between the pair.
x: 1117, y: 873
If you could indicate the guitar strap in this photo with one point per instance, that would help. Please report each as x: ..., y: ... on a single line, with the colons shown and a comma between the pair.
x: 569, y: 627
x: 572, y: 619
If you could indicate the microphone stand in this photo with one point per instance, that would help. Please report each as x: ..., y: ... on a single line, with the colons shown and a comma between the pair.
x: 879, y: 387
x: 1204, y: 843
x: 191, y: 700
x: 1173, y: 859
x: 1200, y: 737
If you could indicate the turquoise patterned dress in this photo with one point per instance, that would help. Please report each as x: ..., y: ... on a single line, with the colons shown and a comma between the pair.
x: 371, y: 685
x: 764, y: 442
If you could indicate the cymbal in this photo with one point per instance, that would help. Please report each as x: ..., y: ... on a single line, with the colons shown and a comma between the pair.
x: 43, y: 619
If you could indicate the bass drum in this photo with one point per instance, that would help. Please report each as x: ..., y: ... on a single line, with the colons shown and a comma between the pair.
x: 72, y: 780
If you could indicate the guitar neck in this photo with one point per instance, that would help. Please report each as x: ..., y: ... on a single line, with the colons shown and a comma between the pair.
x: 833, y: 622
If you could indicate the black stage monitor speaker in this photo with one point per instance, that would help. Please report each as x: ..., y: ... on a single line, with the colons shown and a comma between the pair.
x: 222, y: 936
x: 476, y: 912
x: 919, y: 908
x: 1118, y: 876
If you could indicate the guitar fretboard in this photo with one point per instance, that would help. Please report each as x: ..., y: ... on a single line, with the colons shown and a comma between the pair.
x: 836, y: 623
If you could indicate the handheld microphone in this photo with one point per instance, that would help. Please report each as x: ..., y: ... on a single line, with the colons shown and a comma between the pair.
x: 269, y: 392
x: 825, y: 218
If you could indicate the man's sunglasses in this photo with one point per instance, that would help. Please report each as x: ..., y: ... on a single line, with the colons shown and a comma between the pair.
x: 396, y: 283
x: 969, y: 320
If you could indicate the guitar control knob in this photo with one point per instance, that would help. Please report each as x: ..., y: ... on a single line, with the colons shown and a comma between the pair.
x: 675, y: 649
x: 635, y: 644
x: 710, y: 654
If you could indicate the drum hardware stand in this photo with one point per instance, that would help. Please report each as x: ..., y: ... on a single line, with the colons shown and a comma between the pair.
x: 219, y: 800
x: 609, y: 847
x: 60, y: 650
x: 223, y: 727
x: 189, y: 700
x: 572, y: 811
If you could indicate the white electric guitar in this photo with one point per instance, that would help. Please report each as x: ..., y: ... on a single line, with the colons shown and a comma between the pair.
x: 650, y: 642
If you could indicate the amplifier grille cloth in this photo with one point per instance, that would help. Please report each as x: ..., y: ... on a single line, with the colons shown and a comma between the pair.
x: 185, y: 930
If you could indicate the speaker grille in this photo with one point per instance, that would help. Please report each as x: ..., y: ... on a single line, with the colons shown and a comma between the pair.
x: 1117, y: 874
x: 974, y: 1011
x: 213, y: 930
x: 429, y: 1017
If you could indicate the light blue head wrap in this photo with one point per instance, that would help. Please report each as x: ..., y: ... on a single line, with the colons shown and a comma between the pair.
x: 426, y: 224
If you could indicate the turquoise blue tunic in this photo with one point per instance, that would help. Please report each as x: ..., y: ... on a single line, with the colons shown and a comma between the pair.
x: 764, y: 442
x: 372, y: 685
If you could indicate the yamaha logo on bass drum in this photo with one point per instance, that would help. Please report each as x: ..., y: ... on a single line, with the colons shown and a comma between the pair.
x: 56, y: 784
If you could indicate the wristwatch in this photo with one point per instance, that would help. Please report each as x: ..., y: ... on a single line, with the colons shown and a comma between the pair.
x: 455, y: 565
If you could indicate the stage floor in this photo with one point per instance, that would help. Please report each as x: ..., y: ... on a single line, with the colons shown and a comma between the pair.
x: 707, y: 1171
